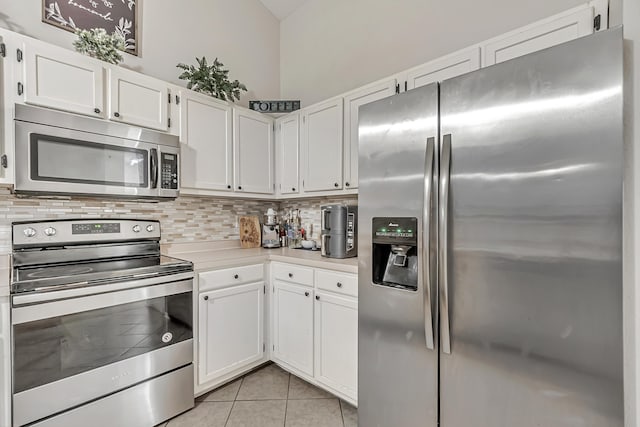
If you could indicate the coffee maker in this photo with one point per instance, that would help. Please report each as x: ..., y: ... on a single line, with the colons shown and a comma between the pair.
x: 395, y: 252
x: 270, y: 230
x: 339, y: 227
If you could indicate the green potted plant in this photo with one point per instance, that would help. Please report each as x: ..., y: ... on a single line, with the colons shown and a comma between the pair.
x: 97, y: 43
x: 211, y: 79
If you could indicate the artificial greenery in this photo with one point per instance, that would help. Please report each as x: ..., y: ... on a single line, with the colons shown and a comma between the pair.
x: 211, y: 79
x: 98, y: 44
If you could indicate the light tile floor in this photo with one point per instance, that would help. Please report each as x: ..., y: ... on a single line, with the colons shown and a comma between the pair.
x: 268, y: 397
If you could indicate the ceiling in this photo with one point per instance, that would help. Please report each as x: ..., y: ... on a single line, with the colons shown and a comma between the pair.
x: 282, y: 8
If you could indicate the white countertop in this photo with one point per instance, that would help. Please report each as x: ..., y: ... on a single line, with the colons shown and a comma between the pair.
x: 215, y: 255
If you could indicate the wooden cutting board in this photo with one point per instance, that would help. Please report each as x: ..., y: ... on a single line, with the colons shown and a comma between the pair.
x: 249, y: 232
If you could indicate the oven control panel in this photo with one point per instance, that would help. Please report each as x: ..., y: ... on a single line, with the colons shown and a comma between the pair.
x: 57, y: 233
x: 169, y: 171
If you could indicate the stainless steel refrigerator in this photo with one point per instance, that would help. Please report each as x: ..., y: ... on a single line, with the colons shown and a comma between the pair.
x: 490, y: 246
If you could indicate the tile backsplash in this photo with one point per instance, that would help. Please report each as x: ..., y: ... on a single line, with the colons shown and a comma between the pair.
x: 186, y: 219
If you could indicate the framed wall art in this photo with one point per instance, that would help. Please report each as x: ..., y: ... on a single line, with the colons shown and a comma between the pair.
x: 119, y: 16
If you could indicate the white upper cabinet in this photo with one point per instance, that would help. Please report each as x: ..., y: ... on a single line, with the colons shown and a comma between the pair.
x: 207, y: 142
x: 449, y: 66
x: 230, y: 330
x: 322, y: 148
x: 61, y: 79
x: 138, y: 99
x: 558, y: 29
x: 288, y: 153
x: 253, y: 152
x: 352, y: 102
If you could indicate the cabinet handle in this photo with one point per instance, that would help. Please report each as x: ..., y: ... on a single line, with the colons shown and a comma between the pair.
x: 306, y: 294
x: 116, y: 114
x: 96, y: 110
x: 235, y: 276
x: 290, y: 275
x: 339, y: 284
x: 336, y: 185
x: 317, y: 298
x: 206, y: 297
x: 346, y: 184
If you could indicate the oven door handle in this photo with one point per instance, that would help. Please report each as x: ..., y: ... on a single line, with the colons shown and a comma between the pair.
x: 46, y: 305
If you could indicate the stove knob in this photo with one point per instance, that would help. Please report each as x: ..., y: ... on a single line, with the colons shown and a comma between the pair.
x: 50, y: 231
x: 136, y: 228
x: 149, y: 228
x: 29, y: 232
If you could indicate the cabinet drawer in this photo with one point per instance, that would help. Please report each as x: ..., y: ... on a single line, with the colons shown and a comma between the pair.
x: 293, y: 273
x: 343, y: 283
x: 230, y: 276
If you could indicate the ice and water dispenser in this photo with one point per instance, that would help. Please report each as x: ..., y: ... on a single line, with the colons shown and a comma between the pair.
x: 395, y: 252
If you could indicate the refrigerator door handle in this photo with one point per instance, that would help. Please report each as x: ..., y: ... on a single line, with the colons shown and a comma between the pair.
x: 443, y: 214
x: 426, y: 245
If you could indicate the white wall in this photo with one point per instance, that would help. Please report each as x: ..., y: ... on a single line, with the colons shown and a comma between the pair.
x: 331, y: 46
x: 243, y: 34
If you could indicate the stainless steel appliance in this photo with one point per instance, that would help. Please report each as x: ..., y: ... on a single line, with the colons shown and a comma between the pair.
x: 339, y: 227
x: 490, y: 272
x: 270, y: 230
x: 63, y: 153
x: 102, y: 325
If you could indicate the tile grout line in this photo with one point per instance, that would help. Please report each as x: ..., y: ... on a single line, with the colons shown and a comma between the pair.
x: 341, y: 412
x: 286, y: 402
x: 234, y: 402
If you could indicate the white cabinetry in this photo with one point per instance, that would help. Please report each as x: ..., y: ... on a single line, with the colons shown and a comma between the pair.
x: 253, y: 152
x: 138, y: 99
x: 207, y: 144
x: 230, y: 330
x: 288, y: 154
x: 322, y: 146
x: 352, y: 102
x: 293, y: 325
x: 449, y: 66
x: 61, y: 79
x: 336, y: 343
x: 5, y: 363
x: 543, y: 34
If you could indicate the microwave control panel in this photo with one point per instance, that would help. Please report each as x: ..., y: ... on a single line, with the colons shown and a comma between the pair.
x: 169, y: 171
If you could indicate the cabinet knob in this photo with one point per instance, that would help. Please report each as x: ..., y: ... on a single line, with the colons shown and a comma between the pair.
x: 235, y: 276
x: 290, y: 275
x: 116, y: 114
x: 339, y: 284
x: 317, y: 298
x: 206, y: 297
x: 293, y: 189
x: 306, y: 294
x: 336, y: 185
x: 239, y: 187
x: 346, y: 184
x: 229, y: 187
x: 96, y: 110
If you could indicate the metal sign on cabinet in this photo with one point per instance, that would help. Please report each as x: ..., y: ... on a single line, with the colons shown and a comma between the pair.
x: 274, y: 106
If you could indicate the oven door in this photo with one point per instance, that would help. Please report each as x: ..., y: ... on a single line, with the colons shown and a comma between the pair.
x: 67, y: 352
x: 56, y: 160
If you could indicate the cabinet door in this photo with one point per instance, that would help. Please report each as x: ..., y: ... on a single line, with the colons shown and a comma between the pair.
x: 541, y: 35
x: 138, y: 99
x: 206, y: 136
x: 322, y: 146
x: 253, y: 152
x: 287, y: 149
x: 352, y: 103
x: 64, y: 80
x: 336, y: 343
x: 449, y: 66
x: 230, y: 330
x: 293, y: 325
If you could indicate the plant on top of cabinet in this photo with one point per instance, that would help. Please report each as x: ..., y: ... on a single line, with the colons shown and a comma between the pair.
x: 211, y: 79
x: 98, y: 44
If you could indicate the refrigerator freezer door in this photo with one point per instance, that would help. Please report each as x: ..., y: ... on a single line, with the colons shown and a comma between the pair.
x: 535, y: 240
x: 397, y: 372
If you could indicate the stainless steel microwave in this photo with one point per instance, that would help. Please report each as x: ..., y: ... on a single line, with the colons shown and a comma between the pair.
x: 62, y: 153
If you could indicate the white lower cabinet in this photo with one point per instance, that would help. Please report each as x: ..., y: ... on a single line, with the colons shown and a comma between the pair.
x: 231, y: 330
x: 293, y: 325
x: 336, y: 343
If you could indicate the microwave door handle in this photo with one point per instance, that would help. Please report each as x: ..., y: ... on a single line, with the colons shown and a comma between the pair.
x: 154, y: 167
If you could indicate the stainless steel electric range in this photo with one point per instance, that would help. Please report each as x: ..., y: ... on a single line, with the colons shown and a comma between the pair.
x: 101, y: 323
